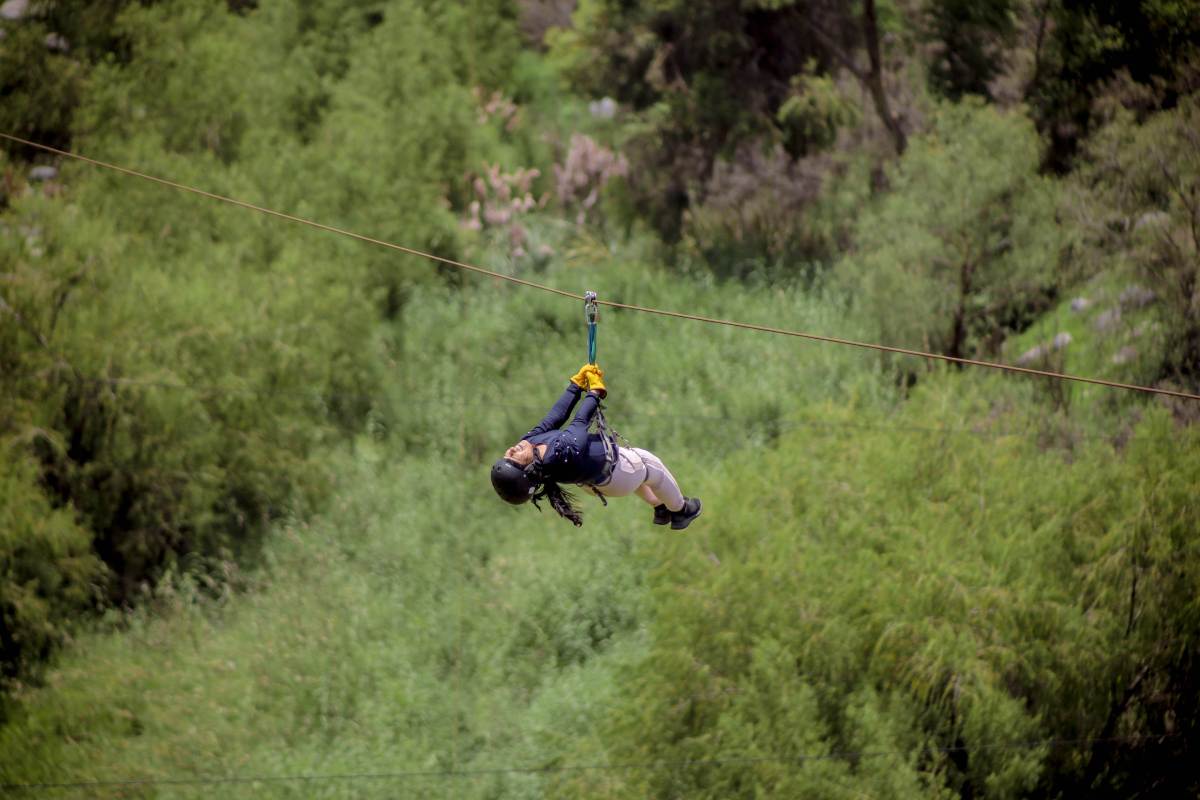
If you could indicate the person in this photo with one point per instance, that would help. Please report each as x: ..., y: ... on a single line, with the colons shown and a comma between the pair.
x: 549, y: 456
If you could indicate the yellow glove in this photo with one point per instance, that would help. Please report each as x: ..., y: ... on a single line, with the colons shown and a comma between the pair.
x: 580, y: 378
x: 595, y: 379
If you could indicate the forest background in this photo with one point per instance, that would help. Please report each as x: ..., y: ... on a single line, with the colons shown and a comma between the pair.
x: 246, y: 534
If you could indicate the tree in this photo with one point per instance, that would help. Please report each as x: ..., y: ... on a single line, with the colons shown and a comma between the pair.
x: 47, y: 569
x: 971, y: 37
x: 1145, y: 179
x: 49, y: 50
x: 964, y: 247
x: 1092, y: 42
x: 704, y: 78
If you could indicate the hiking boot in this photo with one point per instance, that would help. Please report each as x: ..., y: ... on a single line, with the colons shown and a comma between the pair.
x: 683, y: 517
x: 662, y: 514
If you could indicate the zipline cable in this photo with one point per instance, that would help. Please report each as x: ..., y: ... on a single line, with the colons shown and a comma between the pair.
x: 629, y: 307
x: 630, y: 766
x: 903, y: 351
x: 289, y: 217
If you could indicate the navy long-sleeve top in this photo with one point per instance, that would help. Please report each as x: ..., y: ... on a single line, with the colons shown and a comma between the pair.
x: 573, y: 455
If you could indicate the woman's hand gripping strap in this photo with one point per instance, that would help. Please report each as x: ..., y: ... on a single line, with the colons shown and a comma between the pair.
x: 580, y: 378
x: 595, y: 380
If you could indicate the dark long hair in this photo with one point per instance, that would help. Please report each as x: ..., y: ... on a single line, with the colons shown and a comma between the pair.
x: 560, y: 499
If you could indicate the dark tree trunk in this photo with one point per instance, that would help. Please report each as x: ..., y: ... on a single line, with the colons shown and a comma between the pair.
x: 958, y: 335
x: 874, y: 78
x: 871, y: 79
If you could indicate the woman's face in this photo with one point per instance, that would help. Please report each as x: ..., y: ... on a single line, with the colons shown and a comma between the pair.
x: 521, y: 453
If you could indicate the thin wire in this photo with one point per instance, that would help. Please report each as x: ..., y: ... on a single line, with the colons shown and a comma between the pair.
x: 903, y: 351
x: 642, y: 765
x: 611, y: 304
x: 289, y: 217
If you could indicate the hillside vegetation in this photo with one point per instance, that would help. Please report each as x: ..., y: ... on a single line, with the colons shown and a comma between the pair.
x: 246, y: 533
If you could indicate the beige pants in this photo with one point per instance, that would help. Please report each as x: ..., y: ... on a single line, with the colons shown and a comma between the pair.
x: 641, y: 471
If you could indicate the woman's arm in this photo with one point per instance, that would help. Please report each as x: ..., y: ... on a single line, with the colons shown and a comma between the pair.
x: 583, y: 418
x: 559, y: 412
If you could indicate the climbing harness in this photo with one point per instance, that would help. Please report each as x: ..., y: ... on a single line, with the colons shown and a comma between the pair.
x: 591, y: 315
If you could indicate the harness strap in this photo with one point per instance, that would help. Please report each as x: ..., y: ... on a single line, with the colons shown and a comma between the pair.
x: 597, y: 492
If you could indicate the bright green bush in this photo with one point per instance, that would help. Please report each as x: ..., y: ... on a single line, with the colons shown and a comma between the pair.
x: 179, y: 417
x: 184, y: 359
x: 964, y: 248
x: 419, y: 624
x: 910, y: 594
x: 814, y: 113
x: 922, y: 586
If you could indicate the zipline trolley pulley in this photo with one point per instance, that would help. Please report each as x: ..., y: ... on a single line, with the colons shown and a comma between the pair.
x: 591, y: 313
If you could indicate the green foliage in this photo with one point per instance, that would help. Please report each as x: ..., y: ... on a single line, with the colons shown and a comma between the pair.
x: 395, y: 142
x: 484, y: 36
x: 178, y: 418
x: 971, y: 37
x: 1094, y: 42
x: 490, y: 632
x: 964, y: 247
x: 1143, y: 182
x: 939, y: 592
x: 891, y: 588
x: 703, y: 79
x: 922, y: 586
x: 811, y: 117
x: 49, y: 50
x: 183, y: 361
x: 48, y: 572
x: 959, y: 595
x: 40, y: 87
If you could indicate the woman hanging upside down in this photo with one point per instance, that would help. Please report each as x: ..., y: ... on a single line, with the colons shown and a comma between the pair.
x: 534, y: 467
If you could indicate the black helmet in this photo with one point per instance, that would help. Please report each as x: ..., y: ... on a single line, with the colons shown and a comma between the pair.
x: 511, y: 482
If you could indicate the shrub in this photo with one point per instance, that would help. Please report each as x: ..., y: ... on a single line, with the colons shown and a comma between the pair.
x: 1140, y: 209
x: 944, y: 605
x: 964, y: 249
x: 48, y: 573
